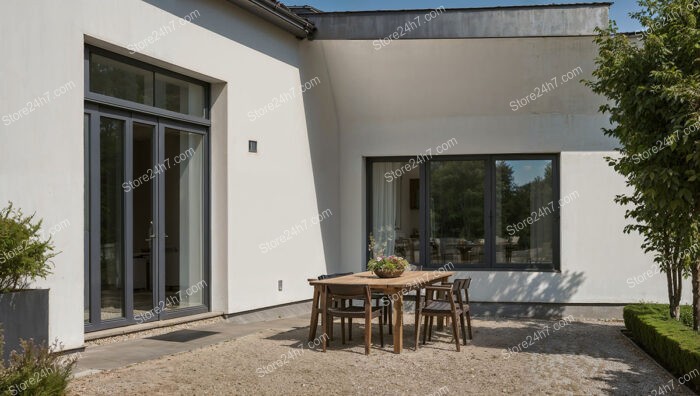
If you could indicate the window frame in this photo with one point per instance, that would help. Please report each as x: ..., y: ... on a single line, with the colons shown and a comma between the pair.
x: 489, y: 209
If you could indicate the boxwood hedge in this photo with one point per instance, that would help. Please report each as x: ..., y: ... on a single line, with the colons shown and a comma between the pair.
x: 675, y: 345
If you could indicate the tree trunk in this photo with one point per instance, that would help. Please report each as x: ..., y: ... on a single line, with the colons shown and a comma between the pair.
x: 695, y: 271
x: 673, y: 308
x: 672, y: 281
x: 679, y: 290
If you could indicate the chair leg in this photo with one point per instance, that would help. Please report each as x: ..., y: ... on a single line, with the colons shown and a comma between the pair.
x: 368, y: 333
x: 390, y: 313
x: 381, y: 330
x: 425, y: 328
x: 464, y: 333
x: 455, y: 329
x: 469, y: 324
x: 342, y: 330
x: 350, y: 329
x: 379, y: 302
x: 430, y: 329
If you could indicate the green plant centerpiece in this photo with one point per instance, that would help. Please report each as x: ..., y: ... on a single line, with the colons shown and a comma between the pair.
x: 385, y: 266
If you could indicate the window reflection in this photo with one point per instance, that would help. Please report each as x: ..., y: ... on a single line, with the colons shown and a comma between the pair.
x: 525, y: 211
x: 457, y: 212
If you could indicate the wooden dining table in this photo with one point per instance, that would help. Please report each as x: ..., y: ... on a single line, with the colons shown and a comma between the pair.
x: 395, y: 288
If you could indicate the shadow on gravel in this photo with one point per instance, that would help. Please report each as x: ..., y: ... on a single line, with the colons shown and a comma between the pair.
x: 603, y: 342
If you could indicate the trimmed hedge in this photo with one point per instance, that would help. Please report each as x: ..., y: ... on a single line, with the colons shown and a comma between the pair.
x: 675, y: 345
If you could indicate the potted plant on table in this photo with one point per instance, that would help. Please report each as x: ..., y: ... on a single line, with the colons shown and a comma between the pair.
x: 385, y: 266
x: 24, y: 256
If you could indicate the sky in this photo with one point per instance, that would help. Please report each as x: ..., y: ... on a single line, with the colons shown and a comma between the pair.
x: 618, y: 11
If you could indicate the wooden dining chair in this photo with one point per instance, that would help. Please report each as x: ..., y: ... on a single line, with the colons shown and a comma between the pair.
x: 438, y: 307
x: 461, y: 288
x: 367, y: 311
x: 318, y: 309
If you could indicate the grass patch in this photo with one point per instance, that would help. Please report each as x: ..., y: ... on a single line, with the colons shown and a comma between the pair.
x: 672, y: 343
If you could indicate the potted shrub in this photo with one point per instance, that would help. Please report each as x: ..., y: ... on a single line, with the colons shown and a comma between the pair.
x: 24, y: 257
x: 385, y: 266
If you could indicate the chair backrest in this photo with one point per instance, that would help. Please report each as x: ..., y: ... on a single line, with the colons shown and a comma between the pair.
x: 414, y: 267
x: 349, y: 292
x: 463, y: 285
x: 336, y: 275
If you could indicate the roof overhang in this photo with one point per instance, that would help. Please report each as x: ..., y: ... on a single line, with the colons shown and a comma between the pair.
x: 279, y: 15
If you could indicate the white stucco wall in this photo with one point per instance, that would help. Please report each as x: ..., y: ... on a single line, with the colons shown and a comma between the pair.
x: 412, y: 95
x: 255, y: 197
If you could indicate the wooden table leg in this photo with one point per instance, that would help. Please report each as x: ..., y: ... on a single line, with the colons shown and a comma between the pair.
x: 314, y: 313
x: 398, y: 322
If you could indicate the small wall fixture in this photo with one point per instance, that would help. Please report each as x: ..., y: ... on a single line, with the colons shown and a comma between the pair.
x: 252, y: 146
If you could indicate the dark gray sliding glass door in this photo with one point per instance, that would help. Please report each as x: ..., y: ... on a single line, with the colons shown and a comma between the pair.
x: 147, y: 214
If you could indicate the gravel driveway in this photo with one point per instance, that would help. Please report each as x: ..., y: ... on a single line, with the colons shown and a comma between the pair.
x: 587, y: 357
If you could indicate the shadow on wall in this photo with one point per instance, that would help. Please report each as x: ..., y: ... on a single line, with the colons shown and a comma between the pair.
x: 322, y: 132
x: 227, y: 20
x: 536, y: 294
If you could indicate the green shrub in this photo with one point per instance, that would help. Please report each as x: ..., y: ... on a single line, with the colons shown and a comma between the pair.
x: 686, y: 316
x: 675, y: 345
x: 24, y: 256
x: 36, y: 371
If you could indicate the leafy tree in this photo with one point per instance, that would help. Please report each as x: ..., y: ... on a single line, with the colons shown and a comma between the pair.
x: 652, y: 83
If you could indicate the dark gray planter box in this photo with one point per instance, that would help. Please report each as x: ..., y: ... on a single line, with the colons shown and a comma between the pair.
x: 24, y: 314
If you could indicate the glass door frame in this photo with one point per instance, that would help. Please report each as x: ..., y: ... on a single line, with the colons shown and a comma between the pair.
x: 92, y: 249
x: 160, y: 274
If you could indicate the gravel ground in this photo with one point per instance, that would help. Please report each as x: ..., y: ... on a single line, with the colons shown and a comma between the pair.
x: 587, y: 357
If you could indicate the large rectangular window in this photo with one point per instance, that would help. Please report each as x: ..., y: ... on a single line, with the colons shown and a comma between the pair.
x: 472, y: 212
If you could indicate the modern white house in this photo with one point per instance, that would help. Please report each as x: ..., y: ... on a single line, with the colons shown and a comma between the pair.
x: 207, y: 157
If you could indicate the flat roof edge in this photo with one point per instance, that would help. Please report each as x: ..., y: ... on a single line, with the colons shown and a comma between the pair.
x: 579, y: 19
x: 466, y: 9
